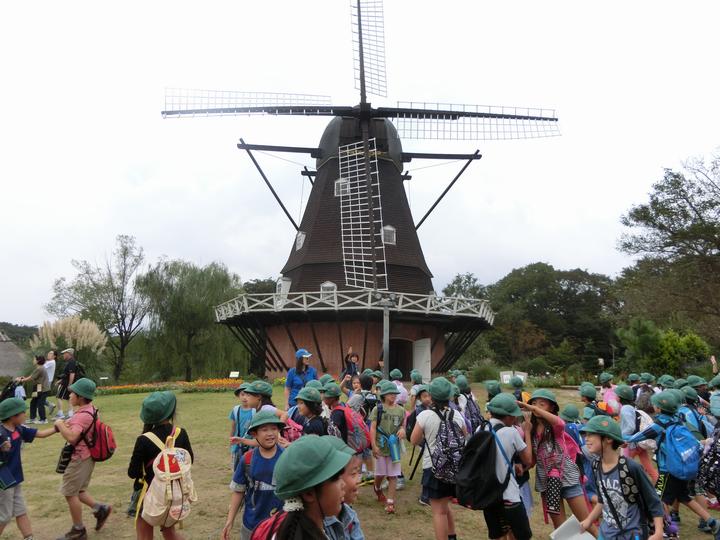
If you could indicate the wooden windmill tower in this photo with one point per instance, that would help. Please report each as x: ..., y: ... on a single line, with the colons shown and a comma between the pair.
x: 356, y: 274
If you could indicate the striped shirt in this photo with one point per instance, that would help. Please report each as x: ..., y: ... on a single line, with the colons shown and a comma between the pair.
x: 553, y: 455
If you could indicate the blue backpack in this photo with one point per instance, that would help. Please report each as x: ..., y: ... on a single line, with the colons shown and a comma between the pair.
x: 682, y: 451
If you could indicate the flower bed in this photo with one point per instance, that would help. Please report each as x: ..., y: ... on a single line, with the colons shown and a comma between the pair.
x: 200, y: 385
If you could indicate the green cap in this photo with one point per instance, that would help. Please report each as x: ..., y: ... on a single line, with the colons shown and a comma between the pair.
x: 262, y: 388
x: 440, y: 389
x: 388, y: 387
x: 504, y: 405
x: 462, y: 383
x: 543, y: 393
x: 570, y: 413
x: 12, y: 406
x: 604, y: 426
x: 396, y: 374
x: 493, y: 388
x: 647, y: 378
x: 715, y: 382
x: 691, y: 394
x: 241, y: 388
x: 633, y: 378
x: 695, y: 381
x: 624, y: 392
x: 367, y: 371
x: 455, y: 390
x: 416, y: 377
x: 588, y: 390
x: 314, y: 383
x: 309, y: 394
x: 84, y: 388
x: 263, y: 418
x: 332, y: 390
x: 157, y: 407
x: 306, y: 463
x: 516, y: 381
x: 377, y: 374
x: 605, y: 377
x: 679, y: 383
x: 326, y: 379
x: 420, y: 389
x: 666, y: 401
x: 666, y: 380
x: 679, y: 394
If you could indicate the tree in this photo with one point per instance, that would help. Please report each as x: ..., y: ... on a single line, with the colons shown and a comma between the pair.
x: 256, y: 286
x: 88, y: 340
x: 465, y: 285
x: 641, y: 340
x: 107, y: 295
x: 181, y: 297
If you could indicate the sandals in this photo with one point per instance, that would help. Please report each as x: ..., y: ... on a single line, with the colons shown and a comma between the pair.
x: 390, y: 507
x: 380, y: 495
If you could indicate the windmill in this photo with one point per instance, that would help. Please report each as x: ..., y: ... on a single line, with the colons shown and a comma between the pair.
x: 357, y: 228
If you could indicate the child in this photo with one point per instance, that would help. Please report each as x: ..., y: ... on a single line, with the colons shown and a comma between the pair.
x: 396, y: 377
x: 426, y: 428
x: 468, y: 406
x: 588, y: 393
x: 571, y: 416
x: 309, y: 478
x: 259, y: 397
x: 346, y: 525
x: 508, y: 514
x: 416, y: 379
x: 252, y: 481
x: 493, y: 389
x: 423, y: 396
x: 607, y: 391
x: 670, y: 487
x: 240, y: 417
x: 557, y: 475
x: 363, y: 403
x: 13, y: 434
x: 387, y: 428
x: 158, y: 417
x: 629, y: 425
x: 309, y: 404
x: 623, y: 510
x: 517, y: 383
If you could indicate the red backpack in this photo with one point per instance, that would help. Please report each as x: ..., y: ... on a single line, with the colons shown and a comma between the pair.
x: 99, y: 438
x: 358, y: 434
x: 292, y: 430
x: 267, y: 528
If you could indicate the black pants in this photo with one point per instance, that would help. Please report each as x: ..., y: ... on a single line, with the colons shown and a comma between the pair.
x: 37, y: 406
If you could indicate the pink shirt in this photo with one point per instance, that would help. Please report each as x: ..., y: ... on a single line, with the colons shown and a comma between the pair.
x: 81, y: 421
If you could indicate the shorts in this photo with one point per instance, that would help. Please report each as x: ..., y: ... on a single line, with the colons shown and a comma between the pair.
x: 76, y: 477
x: 245, y: 533
x: 696, y: 489
x: 436, y: 489
x: 504, y: 517
x: 385, y: 467
x: 62, y: 391
x: 672, y: 489
x: 12, y: 504
x: 570, y: 492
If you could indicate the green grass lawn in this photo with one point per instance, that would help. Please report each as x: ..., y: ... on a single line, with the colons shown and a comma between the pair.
x: 205, y: 418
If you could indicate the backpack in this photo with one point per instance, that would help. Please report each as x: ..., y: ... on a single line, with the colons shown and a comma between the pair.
x: 9, y: 390
x: 473, y: 415
x: 369, y: 404
x: 268, y: 528
x: 169, y: 496
x: 101, y: 442
x: 682, y: 451
x: 292, y: 430
x: 358, y: 434
x: 643, y: 421
x: 642, y: 401
x: 476, y: 481
x: 709, y: 471
x: 449, y: 444
x: 699, y: 432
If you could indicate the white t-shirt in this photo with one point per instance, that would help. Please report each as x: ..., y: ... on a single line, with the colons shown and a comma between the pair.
x: 429, y: 421
x: 50, y: 368
x: 512, y: 442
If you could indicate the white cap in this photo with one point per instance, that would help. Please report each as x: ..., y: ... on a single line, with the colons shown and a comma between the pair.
x: 68, y: 350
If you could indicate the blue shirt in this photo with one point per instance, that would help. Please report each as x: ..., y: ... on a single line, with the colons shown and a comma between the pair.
x: 344, y: 527
x: 242, y: 418
x: 694, y: 418
x: 11, y: 458
x: 654, y: 432
x: 296, y: 381
x: 260, y: 499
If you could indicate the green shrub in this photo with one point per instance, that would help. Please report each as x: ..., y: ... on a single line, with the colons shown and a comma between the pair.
x: 485, y: 371
x: 537, y: 366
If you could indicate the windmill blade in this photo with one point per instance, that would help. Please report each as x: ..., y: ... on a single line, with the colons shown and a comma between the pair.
x: 360, y: 228
x: 470, y: 122
x: 189, y: 102
x: 368, y: 36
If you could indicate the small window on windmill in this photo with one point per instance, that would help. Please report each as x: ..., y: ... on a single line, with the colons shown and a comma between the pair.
x: 327, y: 291
x: 299, y: 240
x: 388, y: 235
x: 342, y: 187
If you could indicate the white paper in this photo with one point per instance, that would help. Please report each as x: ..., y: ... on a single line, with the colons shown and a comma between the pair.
x: 571, y: 530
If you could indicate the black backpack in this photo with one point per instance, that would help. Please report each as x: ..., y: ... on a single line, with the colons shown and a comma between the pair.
x: 369, y: 403
x: 642, y: 401
x: 476, y: 482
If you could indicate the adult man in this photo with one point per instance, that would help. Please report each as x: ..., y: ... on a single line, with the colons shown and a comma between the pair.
x: 66, y: 379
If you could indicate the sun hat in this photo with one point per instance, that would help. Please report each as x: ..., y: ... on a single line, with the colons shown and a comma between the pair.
x: 543, y: 393
x: 666, y: 401
x: 633, y: 378
x: 516, y: 381
x: 679, y: 383
x: 623, y: 391
x: 309, y: 394
x: 326, y: 379
x: 695, y: 381
x: 396, y: 374
x: 455, y: 390
x: 588, y: 391
x: 388, y: 387
x: 302, y: 353
x: 420, y: 389
x: 462, y: 383
x: 714, y: 382
x: 647, y: 378
x: 306, y: 463
x: 157, y: 407
x: 690, y: 394
x: 367, y: 371
x: 332, y: 390
x: 314, y: 383
x: 440, y: 389
x: 570, y: 413
x: 504, y: 405
x: 262, y: 388
x: 84, y: 388
x: 604, y: 426
x: 605, y: 377
x: 416, y: 377
x: 12, y: 406
x: 377, y: 373
x: 666, y: 380
x: 241, y: 388
x: 493, y: 388
x: 263, y: 418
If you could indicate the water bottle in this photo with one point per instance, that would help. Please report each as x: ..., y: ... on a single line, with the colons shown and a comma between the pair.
x: 394, y: 444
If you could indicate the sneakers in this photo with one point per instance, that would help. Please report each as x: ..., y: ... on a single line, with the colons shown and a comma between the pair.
x: 384, y: 484
x: 704, y: 526
x: 41, y: 422
x: 400, y: 483
x: 31, y: 421
x: 60, y: 415
x: 714, y: 527
x: 423, y: 502
x: 101, y: 515
x: 51, y: 406
x: 674, y: 516
x: 74, y: 534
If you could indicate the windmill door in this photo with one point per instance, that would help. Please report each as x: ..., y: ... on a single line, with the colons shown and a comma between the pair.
x: 422, y: 357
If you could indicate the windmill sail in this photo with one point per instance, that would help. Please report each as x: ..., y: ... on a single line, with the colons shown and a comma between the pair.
x: 361, y: 227
x: 368, y: 35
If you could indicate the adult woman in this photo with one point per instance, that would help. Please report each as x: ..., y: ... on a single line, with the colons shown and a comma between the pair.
x: 158, y: 415
x: 298, y: 376
x: 40, y: 389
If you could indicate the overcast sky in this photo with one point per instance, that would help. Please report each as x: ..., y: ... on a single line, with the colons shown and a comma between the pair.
x: 85, y: 154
